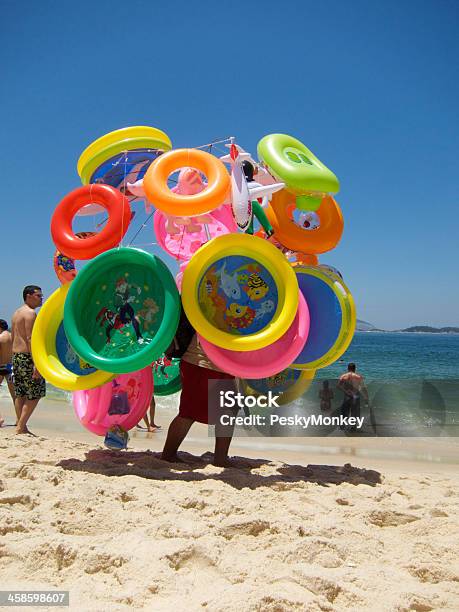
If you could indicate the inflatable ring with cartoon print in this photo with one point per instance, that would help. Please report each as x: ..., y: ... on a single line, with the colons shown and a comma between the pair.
x: 53, y: 356
x: 324, y: 237
x: 122, y: 310
x: 117, y: 150
x: 239, y: 292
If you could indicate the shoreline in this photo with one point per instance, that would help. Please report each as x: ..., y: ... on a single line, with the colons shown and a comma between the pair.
x: 55, y: 420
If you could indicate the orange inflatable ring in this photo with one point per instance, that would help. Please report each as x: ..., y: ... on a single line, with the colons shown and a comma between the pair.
x: 292, y: 236
x: 119, y: 216
x: 159, y: 194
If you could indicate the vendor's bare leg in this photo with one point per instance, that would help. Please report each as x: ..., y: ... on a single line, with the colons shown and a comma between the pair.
x: 27, y: 409
x: 221, y: 451
x: 177, y: 432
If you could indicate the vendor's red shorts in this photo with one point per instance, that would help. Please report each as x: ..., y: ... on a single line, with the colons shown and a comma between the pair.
x: 195, y: 383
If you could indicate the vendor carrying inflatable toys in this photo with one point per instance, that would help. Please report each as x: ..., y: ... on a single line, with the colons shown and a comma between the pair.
x: 197, y: 372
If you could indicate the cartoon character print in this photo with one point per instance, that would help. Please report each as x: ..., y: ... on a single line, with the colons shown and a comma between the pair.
x: 148, y: 313
x: 70, y: 355
x: 64, y: 267
x: 307, y: 220
x: 65, y: 263
x: 214, y: 304
x: 256, y: 287
x: 233, y: 299
x: 229, y: 283
x: 266, y: 307
x: 238, y: 316
x: 132, y: 389
x: 162, y: 363
x: 109, y: 320
x: 125, y: 294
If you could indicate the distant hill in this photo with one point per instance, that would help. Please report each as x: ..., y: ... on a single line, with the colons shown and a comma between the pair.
x: 364, y: 326
x: 426, y: 329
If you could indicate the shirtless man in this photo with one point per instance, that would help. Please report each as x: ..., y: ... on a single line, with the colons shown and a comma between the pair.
x: 29, y: 386
x: 6, y: 355
x: 353, y: 386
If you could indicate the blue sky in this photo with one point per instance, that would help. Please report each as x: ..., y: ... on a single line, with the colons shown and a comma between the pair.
x: 370, y: 87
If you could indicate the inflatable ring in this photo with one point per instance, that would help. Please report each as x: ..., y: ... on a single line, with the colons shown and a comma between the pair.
x: 122, y: 310
x: 292, y: 236
x: 290, y: 384
x: 52, y: 354
x: 290, y: 161
x: 119, y: 217
x: 166, y: 376
x: 119, y: 141
x: 239, y: 292
x: 268, y: 360
x: 124, y: 401
x: 181, y: 237
x: 333, y: 318
x: 158, y: 192
x: 64, y: 266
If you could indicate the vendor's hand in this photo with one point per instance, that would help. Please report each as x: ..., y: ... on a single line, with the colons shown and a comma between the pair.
x: 36, y: 374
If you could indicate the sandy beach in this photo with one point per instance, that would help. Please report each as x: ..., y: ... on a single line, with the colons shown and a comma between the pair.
x: 339, y: 526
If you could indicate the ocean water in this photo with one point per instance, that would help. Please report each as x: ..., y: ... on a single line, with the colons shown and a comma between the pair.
x: 384, y: 355
x: 413, y: 382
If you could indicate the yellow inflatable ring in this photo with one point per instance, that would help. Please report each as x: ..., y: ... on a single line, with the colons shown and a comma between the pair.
x: 116, y: 142
x: 48, y: 327
x: 239, y: 292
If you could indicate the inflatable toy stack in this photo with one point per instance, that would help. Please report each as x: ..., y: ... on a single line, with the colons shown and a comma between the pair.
x: 246, y: 234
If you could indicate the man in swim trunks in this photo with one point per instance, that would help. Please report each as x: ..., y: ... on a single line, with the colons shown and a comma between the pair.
x: 29, y: 386
x: 6, y: 354
x: 353, y: 387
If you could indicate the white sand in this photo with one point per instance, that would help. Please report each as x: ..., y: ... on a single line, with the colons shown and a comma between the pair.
x: 125, y: 531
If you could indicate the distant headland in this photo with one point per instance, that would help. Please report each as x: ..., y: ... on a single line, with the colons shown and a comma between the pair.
x: 415, y: 329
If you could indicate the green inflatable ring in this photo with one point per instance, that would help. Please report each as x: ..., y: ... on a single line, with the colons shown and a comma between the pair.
x: 168, y: 382
x: 291, y: 162
x: 122, y: 310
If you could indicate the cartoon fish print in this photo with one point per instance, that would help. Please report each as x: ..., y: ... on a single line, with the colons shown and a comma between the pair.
x: 84, y: 365
x: 256, y: 287
x: 70, y: 355
x: 238, y: 316
x: 229, y: 284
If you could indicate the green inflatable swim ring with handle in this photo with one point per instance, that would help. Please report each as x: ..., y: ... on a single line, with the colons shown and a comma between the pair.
x: 290, y: 161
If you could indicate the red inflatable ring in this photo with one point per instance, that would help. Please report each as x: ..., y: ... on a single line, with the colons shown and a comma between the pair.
x: 119, y: 216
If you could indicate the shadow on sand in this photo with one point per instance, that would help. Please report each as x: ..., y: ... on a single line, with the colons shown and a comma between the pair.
x: 147, y: 464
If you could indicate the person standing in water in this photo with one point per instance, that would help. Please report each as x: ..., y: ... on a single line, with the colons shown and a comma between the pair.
x: 29, y: 385
x: 353, y: 387
x: 325, y: 395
